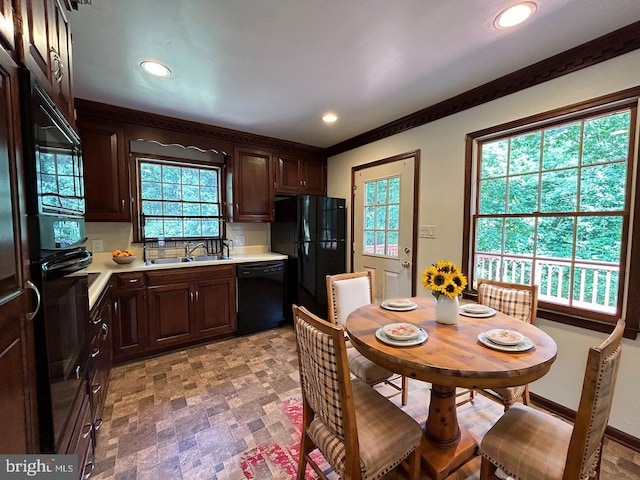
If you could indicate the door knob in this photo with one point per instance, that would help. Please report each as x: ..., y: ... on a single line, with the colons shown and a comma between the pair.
x: 407, y: 250
x: 406, y: 264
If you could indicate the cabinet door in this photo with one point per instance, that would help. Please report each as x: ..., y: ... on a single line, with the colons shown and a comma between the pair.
x: 288, y: 175
x: 129, y: 323
x: 35, y: 25
x: 253, y: 192
x: 315, y: 178
x: 215, y: 307
x: 17, y: 391
x: 7, y: 32
x: 170, y: 314
x: 60, y: 60
x: 105, y: 174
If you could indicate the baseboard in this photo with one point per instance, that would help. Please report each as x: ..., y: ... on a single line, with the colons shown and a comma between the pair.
x: 619, y: 436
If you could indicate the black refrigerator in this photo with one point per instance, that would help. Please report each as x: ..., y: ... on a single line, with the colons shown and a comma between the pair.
x: 311, y: 231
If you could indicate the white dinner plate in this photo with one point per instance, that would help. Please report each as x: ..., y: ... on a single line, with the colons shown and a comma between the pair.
x: 523, y: 346
x: 399, y: 302
x: 409, y: 307
x: 422, y: 337
x: 490, y: 313
x: 504, y: 336
x: 401, y: 331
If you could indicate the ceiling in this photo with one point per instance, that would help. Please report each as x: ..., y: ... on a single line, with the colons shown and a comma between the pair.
x: 274, y: 67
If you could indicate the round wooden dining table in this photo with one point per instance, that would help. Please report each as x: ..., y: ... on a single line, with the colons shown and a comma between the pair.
x: 452, y: 356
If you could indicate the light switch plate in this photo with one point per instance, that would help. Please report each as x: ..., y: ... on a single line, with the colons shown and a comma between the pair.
x: 97, y: 246
x: 427, y: 231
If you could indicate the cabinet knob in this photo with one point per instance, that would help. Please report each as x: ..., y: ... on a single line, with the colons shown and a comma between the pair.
x: 96, y: 388
x: 88, y: 470
x: 97, y: 424
x: 105, y: 331
x: 95, y: 352
x: 133, y: 280
x: 96, y: 321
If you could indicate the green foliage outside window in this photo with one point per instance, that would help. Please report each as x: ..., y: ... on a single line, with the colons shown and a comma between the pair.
x: 551, y: 209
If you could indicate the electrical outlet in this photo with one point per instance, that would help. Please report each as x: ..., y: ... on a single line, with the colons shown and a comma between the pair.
x: 240, y: 240
x: 427, y: 231
x: 97, y: 246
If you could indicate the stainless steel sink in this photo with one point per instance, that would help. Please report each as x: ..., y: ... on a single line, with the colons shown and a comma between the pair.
x: 199, y: 258
x: 209, y: 258
x: 165, y: 261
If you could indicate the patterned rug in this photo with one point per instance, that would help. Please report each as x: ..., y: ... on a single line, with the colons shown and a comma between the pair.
x: 271, y: 460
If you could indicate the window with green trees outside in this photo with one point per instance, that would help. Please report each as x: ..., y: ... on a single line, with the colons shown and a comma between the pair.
x: 550, y: 206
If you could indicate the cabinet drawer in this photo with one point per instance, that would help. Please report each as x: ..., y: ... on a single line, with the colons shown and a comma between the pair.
x: 163, y: 277
x: 130, y: 280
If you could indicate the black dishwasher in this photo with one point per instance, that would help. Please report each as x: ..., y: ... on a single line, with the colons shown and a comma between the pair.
x: 261, y: 296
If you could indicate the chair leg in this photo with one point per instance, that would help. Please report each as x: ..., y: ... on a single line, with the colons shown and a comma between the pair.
x: 413, y: 462
x: 487, y: 470
x: 526, y: 398
x: 305, y: 446
x: 405, y: 390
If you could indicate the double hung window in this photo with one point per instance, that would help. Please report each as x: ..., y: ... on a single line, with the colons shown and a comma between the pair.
x: 550, y: 205
x: 178, y: 200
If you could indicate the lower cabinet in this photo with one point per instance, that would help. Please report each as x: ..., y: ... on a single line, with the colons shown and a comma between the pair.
x: 160, y: 309
x: 83, y: 437
x: 186, y: 305
x: 129, y: 294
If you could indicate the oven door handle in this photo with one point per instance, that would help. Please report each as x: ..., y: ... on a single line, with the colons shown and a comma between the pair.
x: 31, y: 286
x: 68, y: 263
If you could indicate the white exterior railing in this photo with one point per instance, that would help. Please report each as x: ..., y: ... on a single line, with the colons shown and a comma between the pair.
x: 597, y: 281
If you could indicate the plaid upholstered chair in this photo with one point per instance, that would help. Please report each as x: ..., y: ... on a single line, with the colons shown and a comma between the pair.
x: 345, y: 293
x: 529, y: 444
x: 516, y: 300
x: 361, y: 434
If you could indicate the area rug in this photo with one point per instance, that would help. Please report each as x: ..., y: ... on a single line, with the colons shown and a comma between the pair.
x: 274, y: 461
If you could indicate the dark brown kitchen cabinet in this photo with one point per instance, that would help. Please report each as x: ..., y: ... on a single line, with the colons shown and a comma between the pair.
x: 190, y: 304
x: 299, y: 176
x: 82, y: 436
x: 17, y: 370
x: 45, y: 49
x: 252, y: 196
x: 129, y: 315
x: 7, y: 29
x: 105, y: 174
x: 101, y: 355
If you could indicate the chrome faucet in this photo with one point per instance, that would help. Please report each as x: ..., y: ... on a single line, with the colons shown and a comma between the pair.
x: 188, y: 249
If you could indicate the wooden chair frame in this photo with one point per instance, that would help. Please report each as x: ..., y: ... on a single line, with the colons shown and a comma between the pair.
x: 403, y: 389
x: 352, y: 453
x: 580, y: 435
x: 533, y: 290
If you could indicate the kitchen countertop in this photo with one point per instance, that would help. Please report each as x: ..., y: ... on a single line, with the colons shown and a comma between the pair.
x: 105, y: 266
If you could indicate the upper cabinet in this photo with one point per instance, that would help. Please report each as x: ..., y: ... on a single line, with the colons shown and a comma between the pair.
x: 46, y: 49
x: 105, y: 172
x: 7, y: 30
x: 300, y: 176
x: 252, y: 197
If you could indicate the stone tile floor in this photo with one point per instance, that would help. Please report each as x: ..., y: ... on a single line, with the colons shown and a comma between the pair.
x: 190, y: 414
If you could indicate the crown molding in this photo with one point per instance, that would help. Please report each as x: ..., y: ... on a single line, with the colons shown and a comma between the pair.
x: 88, y: 109
x: 586, y: 55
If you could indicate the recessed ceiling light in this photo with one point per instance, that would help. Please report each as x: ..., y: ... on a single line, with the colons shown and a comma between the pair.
x: 515, y: 15
x: 329, y: 117
x: 155, y: 68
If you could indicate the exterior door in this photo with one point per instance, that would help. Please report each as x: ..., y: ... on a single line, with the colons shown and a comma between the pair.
x: 383, y: 223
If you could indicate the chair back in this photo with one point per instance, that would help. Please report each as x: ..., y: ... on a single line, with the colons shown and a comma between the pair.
x: 513, y: 299
x: 600, y: 376
x: 348, y: 291
x: 324, y: 376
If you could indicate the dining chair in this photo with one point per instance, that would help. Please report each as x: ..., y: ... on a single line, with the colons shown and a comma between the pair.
x: 360, y: 433
x: 516, y: 300
x: 345, y: 293
x: 528, y: 444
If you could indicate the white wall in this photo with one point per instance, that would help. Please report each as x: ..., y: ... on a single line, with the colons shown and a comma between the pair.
x: 442, y: 144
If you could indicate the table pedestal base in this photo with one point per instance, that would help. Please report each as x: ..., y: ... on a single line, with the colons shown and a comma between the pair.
x: 440, y: 462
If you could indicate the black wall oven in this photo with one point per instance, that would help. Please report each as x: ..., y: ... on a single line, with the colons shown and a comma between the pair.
x: 55, y: 207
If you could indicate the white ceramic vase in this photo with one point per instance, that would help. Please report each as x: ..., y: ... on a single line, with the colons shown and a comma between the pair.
x: 447, y: 310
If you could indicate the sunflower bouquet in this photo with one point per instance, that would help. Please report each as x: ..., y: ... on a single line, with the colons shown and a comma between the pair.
x: 444, y: 278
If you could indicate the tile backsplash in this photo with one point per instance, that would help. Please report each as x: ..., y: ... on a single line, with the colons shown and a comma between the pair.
x: 246, y: 237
